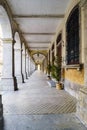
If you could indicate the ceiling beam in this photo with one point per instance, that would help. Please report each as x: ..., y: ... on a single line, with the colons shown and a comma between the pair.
x: 24, y: 33
x: 39, y: 16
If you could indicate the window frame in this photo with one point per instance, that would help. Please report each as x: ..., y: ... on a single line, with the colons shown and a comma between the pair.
x: 71, y: 56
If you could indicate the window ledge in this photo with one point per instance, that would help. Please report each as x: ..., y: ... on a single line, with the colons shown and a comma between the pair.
x: 75, y: 66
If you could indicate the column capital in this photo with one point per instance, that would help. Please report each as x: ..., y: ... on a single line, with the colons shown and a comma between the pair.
x: 7, y: 40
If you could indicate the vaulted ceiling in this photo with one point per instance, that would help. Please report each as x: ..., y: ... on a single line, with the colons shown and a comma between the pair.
x: 38, y: 20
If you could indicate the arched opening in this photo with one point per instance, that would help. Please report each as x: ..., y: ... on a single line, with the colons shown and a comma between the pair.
x: 59, y: 53
x: 39, y: 60
x: 38, y: 68
x: 17, y: 58
x: 72, y: 37
x: 8, y: 81
x: 5, y: 32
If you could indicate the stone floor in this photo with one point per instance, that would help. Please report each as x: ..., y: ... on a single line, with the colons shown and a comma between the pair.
x: 37, y: 106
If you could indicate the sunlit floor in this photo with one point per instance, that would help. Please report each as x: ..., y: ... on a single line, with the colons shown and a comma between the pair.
x: 37, y: 106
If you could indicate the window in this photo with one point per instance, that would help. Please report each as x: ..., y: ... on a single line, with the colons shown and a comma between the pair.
x: 72, y: 31
x: 52, y: 53
x: 59, y: 38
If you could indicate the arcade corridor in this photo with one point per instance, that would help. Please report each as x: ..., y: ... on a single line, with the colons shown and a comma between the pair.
x: 51, y: 36
x: 37, y: 106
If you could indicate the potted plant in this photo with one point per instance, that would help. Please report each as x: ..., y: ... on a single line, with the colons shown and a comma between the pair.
x: 56, y: 72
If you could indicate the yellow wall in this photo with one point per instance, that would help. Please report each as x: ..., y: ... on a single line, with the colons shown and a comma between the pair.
x: 75, y: 76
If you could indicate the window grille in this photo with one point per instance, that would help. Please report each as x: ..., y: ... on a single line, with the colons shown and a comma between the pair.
x: 72, y: 30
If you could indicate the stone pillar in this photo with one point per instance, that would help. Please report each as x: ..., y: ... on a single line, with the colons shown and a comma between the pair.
x: 29, y: 66
x: 32, y: 66
x: 27, y: 63
x: 24, y: 62
x: 18, y: 73
x: 8, y: 80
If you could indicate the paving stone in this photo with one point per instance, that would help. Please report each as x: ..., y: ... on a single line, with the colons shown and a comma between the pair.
x: 43, y: 122
x: 37, y: 106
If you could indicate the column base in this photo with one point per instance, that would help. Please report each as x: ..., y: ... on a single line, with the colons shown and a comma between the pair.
x: 19, y: 78
x: 8, y: 84
x: 23, y: 78
x: 26, y: 75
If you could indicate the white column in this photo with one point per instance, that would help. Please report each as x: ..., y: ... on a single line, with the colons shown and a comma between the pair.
x: 23, y: 62
x: 8, y: 80
x: 18, y: 73
x: 32, y: 66
x: 29, y: 66
x: 27, y: 63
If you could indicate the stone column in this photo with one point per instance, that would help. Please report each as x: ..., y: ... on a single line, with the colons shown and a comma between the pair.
x: 27, y: 63
x: 18, y: 73
x: 24, y: 62
x: 29, y: 66
x: 8, y: 80
x: 32, y: 66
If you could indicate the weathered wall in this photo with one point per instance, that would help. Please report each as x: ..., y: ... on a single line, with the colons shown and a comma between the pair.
x: 75, y: 76
x: 74, y: 80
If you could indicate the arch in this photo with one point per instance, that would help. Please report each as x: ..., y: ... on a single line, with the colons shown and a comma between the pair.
x: 72, y: 36
x: 71, y: 13
x: 38, y: 58
x: 17, y: 54
x: 5, y: 32
x: 5, y: 23
x: 39, y: 53
x: 8, y: 82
